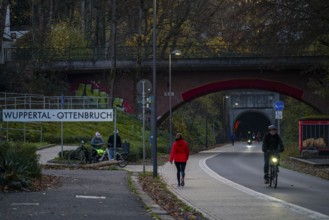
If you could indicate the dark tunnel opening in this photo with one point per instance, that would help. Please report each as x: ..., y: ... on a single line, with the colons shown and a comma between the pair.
x: 251, y: 121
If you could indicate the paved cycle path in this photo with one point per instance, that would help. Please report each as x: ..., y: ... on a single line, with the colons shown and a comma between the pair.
x: 83, y: 194
x: 87, y: 194
x: 218, y: 198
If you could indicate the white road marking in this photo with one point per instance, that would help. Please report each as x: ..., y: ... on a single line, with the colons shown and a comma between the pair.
x: 24, y: 203
x: 90, y: 197
x: 293, y: 207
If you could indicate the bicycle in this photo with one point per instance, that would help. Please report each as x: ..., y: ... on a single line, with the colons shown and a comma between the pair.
x: 120, y: 157
x: 80, y: 155
x: 274, y: 167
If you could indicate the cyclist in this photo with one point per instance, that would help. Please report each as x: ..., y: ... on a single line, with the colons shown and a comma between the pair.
x: 97, y: 143
x: 272, y: 144
x: 110, y: 143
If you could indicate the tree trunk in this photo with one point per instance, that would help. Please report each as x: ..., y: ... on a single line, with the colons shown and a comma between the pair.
x: 51, y: 11
x: 83, y: 16
x: 2, y: 21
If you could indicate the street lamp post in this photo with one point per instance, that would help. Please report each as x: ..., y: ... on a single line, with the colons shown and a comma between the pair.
x: 232, y: 106
x: 176, y: 53
x: 154, y: 100
x: 224, y: 114
x: 235, y: 105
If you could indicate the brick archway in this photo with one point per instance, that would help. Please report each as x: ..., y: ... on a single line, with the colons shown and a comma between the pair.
x: 243, y: 84
x: 190, y: 82
x: 298, y: 92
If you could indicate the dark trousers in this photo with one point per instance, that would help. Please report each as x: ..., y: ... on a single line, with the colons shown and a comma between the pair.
x: 267, y: 156
x: 180, y: 170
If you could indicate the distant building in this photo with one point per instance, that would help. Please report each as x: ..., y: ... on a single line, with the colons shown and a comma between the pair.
x: 9, y: 37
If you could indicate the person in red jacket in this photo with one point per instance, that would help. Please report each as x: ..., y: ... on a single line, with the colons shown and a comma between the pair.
x: 179, y: 154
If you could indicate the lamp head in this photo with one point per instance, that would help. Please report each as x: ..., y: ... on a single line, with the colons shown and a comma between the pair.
x: 176, y: 52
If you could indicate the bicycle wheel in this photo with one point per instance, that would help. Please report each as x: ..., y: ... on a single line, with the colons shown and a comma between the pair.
x: 76, y: 158
x: 122, y: 159
x: 271, y: 175
x: 275, y: 176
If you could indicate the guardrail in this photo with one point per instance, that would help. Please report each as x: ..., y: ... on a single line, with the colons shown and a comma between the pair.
x: 7, y: 132
x: 35, y: 101
x: 133, y: 53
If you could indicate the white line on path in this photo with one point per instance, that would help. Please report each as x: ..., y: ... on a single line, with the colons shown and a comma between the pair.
x: 293, y: 207
x: 24, y: 203
x: 90, y: 197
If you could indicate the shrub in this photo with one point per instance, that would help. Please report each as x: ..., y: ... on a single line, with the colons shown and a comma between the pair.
x: 19, y: 165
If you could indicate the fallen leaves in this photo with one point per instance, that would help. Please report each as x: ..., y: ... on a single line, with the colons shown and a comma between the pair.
x: 159, y: 192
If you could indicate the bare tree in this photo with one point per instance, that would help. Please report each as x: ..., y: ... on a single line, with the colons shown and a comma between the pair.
x: 4, y: 5
x: 112, y: 74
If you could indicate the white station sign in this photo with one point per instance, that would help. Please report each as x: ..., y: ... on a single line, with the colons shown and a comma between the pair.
x: 57, y: 115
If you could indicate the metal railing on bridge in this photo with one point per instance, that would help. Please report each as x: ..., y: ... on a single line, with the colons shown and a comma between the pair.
x: 35, y: 101
x: 144, y: 53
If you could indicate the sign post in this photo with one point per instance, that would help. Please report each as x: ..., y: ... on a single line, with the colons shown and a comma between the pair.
x: 62, y: 129
x: 278, y: 106
x: 58, y: 115
x: 144, y: 87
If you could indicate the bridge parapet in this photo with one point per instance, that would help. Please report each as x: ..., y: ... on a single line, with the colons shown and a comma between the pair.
x: 131, y: 53
x: 189, y: 64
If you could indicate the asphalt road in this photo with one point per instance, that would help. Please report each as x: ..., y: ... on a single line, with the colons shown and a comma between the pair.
x: 246, y: 169
x: 84, y: 194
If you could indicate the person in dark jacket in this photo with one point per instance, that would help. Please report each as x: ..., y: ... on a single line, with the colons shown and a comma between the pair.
x: 97, y: 141
x: 272, y: 144
x: 179, y: 154
x: 110, y: 143
x: 232, y: 138
x: 97, y: 144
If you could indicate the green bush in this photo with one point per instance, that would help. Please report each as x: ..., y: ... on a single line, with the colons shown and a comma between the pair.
x: 19, y: 165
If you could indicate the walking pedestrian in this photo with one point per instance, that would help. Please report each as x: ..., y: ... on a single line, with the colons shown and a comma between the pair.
x: 232, y: 139
x: 179, y: 154
x: 258, y: 136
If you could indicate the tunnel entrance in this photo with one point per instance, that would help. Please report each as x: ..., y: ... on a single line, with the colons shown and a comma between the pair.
x: 250, y: 121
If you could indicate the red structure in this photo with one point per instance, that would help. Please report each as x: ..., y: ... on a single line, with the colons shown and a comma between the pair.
x: 314, y: 136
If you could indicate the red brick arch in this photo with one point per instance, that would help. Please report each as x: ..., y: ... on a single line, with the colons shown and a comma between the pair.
x: 243, y: 84
x: 191, y: 84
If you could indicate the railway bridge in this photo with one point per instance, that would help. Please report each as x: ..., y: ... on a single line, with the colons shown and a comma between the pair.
x: 191, y: 77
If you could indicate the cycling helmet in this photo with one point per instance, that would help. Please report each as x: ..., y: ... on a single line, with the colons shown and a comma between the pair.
x: 271, y: 127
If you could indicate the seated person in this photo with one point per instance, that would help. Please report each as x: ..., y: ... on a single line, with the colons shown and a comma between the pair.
x: 97, y: 143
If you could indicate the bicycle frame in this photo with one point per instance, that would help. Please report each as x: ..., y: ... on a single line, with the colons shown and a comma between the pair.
x: 274, y: 163
x: 105, y: 155
x: 120, y: 157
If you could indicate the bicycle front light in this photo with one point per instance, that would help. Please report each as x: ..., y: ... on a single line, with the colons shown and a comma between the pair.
x: 274, y: 159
